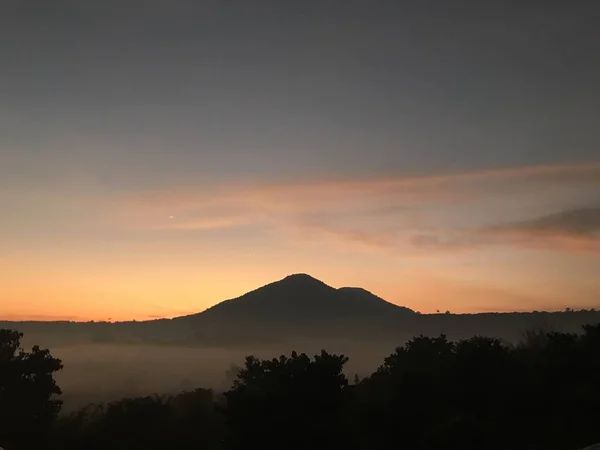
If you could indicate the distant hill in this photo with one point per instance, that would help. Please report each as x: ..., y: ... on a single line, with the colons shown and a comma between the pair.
x: 298, y: 304
x: 300, y: 298
x: 299, y: 308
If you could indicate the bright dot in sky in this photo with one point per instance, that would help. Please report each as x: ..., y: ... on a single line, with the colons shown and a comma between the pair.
x: 171, y: 217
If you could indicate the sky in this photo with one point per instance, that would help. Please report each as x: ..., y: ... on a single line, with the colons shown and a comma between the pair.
x: 159, y: 157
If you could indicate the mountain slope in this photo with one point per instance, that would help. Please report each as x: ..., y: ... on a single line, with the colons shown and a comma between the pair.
x: 359, y: 297
x: 300, y: 305
x: 300, y: 297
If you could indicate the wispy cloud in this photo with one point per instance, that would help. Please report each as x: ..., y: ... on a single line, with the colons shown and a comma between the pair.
x: 575, y: 222
x: 411, y: 215
x: 575, y: 231
x: 406, y: 188
x: 207, y: 223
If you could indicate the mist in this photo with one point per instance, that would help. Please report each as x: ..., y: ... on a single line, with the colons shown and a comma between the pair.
x: 105, y: 362
x: 100, y: 373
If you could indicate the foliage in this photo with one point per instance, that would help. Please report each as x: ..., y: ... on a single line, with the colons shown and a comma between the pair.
x: 429, y: 394
x: 27, y: 391
x: 288, y: 394
x: 189, y: 420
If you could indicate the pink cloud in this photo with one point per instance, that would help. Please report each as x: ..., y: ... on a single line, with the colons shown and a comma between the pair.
x: 392, y: 214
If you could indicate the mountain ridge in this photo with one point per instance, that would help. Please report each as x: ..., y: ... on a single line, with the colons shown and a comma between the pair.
x: 300, y: 295
x: 299, y: 309
x: 294, y: 306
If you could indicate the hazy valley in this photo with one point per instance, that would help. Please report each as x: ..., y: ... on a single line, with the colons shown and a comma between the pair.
x: 107, y: 361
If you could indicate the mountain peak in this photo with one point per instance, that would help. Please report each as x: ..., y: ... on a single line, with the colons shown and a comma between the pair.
x: 295, y: 284
x: 301, y: 298
x: 298, y: 276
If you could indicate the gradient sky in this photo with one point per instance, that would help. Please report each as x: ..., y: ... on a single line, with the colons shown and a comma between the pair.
x: 157, y: 157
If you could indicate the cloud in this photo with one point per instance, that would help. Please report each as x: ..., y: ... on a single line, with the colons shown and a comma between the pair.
x: 312, y: 193
x: 575, y: 222
x: 208, y: 223
x: 574, y: 231
x: 434, y: 242
x: 414, y: 215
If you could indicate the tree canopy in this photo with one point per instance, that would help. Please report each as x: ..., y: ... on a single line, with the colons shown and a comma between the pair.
x: 429, y: 394
x: 28, y: 403
x: 296, y: 395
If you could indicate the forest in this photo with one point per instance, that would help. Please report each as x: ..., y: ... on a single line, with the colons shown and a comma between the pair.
x: 429, y: 393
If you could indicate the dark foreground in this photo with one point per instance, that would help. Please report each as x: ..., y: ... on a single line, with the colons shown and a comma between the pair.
x: 431, y: 393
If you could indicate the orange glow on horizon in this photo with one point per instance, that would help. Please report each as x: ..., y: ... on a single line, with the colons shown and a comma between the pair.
x: 468, y: 242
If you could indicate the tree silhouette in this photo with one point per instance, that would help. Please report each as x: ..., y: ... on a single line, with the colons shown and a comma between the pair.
x: 407, y: 393
x: 27, y: 392
x: 429, y: 394
x: 297, y: 397
x: 480, y: 389
x: 189, y: 420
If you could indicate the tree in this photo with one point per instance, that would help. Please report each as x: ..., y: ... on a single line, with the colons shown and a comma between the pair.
x: 187, y: 421
x: 298, y: 397
x: 28, y: 406
x: 408, y: 392
x: 481, y: 384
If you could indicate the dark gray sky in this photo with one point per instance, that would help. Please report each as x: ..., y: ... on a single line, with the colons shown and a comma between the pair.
x: 145, y: 91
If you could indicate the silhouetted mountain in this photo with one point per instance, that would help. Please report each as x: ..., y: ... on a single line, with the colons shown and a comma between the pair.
x: 301, y: 298
x: 300, y: 304
x: 361, y: 298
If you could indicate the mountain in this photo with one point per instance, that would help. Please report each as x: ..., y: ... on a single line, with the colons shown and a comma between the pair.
x: 298, y: 304
x: 300, y: 308
x: 300, y: 297
x: 361, y: 298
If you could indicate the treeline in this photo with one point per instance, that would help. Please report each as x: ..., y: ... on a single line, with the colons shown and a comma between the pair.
x: 188, y: 331
x: 431, y: 393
